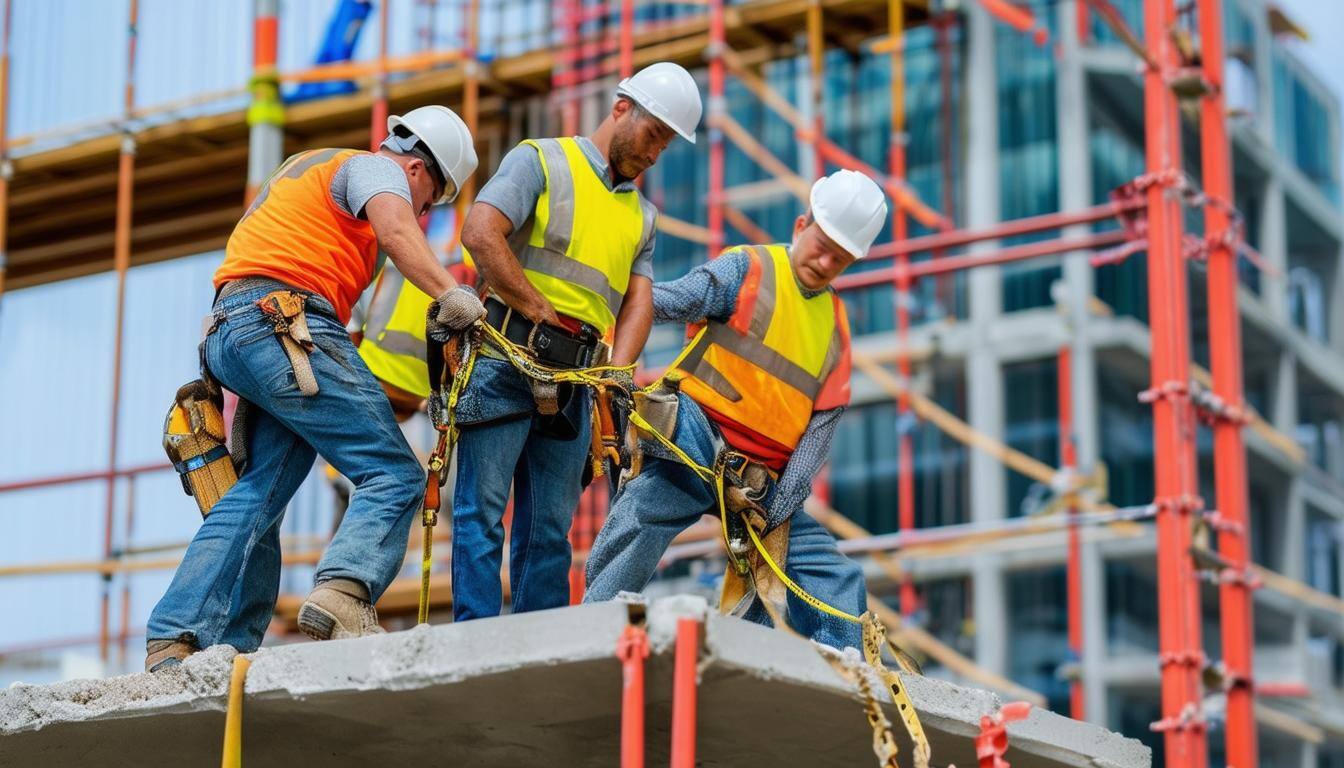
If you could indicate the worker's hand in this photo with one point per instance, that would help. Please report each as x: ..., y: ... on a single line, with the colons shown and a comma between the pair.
x: 454, y: 311
x: 540, y: 311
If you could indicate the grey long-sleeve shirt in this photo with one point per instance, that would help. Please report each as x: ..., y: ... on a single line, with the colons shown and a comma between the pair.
x: 710, y: 292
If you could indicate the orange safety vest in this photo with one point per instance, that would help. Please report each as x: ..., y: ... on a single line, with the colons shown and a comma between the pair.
x: 295, y: 233
x: 780, y: 357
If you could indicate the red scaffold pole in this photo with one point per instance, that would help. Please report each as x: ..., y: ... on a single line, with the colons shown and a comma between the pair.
x: 684, y: 693
x: 632, y: 650
x: 1068, y: 461
x: 1179, y: 648
x: 1229, y: 452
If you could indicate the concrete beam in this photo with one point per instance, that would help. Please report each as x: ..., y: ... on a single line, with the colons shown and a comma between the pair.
x: 533, y: 688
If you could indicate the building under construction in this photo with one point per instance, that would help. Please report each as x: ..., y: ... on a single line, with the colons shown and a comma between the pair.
x: 1095, y: 459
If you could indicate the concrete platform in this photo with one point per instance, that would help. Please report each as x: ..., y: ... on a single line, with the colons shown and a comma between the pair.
x: 536, y: 689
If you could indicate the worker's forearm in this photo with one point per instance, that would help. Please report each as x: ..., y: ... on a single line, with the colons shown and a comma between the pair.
x: 795, y: 482
x: 504, y: 276
x: 411, y: 254
x: 632, y: 331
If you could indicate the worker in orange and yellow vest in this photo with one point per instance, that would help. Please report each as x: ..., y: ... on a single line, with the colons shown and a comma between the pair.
x: 295, y: 264
x: 760, y: 387
x: 563, y: 239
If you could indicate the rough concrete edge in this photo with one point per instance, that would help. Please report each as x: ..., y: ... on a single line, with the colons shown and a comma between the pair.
x: 416, y: 658
x: 951, y: 708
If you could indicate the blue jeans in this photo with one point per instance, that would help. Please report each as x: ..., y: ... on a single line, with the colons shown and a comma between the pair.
x: 226, y: 587
x: 667, y: 497
x: 501, y: 445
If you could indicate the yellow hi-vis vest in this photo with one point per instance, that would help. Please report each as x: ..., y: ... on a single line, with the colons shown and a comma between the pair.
x: 759, y: 375
x: 394, y: 333
x: 583, y: 238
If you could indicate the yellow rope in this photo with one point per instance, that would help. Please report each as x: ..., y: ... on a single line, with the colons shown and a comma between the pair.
x: 233, y: 718
x: 438, y: 463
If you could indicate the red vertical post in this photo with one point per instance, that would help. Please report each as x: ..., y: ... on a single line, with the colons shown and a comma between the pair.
x: 942, y: 25
x: 1084, y: 18
x: 378, y: 116
x: 717, y: 42
x: 627, y: 38
x: 122, y: 261
x: 1068, y: 461
x: 1179, y: 649
x: 905, y: 477
x: 632, y: 650
x: 569, y: 117
x: 1229, y: 452
x: 684, y: 693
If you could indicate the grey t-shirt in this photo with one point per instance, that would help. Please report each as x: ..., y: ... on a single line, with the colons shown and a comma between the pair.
x: 352, y: 187
x: 515, y: 187
x: 363, y: 176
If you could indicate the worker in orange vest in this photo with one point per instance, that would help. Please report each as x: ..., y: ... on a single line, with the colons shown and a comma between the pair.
x: 296, y: 262
x: 759, y: 390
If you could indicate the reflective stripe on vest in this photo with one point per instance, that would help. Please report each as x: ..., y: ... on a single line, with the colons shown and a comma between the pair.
x: 583, y: 238
x: 394, y: 334
x: 765, y: 367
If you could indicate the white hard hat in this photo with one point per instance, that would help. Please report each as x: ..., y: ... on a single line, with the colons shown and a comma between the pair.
x: 850, y: 208
x: 668, y: 92
x: 448, y: 140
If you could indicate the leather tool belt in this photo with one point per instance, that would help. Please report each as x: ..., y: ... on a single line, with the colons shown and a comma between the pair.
x: 550, y: 345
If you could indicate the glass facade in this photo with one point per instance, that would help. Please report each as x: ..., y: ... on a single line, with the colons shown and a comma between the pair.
x: 1039, y: 642
x: 1303, y: 130
x: 863, y: 466
x: 1028, y: 155
x: 1031, y: 419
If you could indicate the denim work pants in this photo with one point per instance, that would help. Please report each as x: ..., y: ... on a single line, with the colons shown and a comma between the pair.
x: 502, y: 443
x: 667, y: 497
x: 225, y: 589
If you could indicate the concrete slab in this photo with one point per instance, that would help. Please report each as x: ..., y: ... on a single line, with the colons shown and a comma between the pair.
x: 509, y: 691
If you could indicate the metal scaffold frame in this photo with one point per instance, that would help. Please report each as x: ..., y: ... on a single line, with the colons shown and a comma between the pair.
x: 592, y: 48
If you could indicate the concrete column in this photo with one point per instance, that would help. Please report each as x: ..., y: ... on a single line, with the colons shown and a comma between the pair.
x: 1274, y: 247
x: 1264, y: 76
x: 1291, y: 546
x: 1075, y: 192
x: 984, y: 379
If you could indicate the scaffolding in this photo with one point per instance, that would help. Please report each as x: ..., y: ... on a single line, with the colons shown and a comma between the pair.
x: 596, y: 40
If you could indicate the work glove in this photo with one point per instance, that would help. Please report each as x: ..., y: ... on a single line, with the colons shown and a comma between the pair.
x: 452, y: 312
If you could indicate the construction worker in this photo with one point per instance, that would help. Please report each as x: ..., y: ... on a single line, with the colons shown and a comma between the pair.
x: 564, y: 242
x: 760, y: 387
x: 295, y: 264
x: 391, y: 340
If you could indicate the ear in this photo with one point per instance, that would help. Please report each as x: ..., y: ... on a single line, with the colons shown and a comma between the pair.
x: 620, y: 108
x: 799, y: 224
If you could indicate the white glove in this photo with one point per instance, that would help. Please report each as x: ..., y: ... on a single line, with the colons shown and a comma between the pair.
x: 454, y: 311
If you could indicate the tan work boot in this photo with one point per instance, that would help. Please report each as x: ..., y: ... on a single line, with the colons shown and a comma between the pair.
x: 338, y: 609
x: 162, y: 654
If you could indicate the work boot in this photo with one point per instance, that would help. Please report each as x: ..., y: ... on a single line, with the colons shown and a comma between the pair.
x: 337, y: 609
x: 162, y: 654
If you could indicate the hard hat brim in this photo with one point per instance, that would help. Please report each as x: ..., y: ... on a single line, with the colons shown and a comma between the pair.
x: 394, y: 122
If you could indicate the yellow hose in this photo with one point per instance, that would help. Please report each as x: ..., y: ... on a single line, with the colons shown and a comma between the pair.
x: 233, y: 719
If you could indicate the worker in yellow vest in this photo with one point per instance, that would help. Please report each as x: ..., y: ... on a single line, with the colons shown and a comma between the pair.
x: 391, y: 341
x: 761, y: 387
x: 564, y: 243
x: 301, y: 255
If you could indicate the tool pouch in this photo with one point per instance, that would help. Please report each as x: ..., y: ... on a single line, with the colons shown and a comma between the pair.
x: 659, y: 408
x: 193, y: 438
x: 285, y: 309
